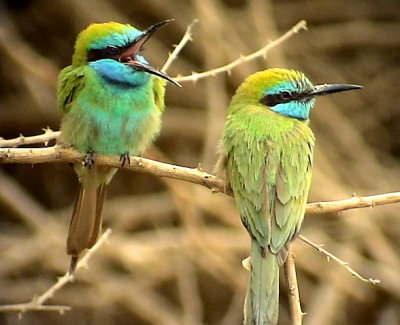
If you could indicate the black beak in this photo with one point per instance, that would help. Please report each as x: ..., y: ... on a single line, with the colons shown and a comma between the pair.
x: 149, y: 69
x: 320, y: 90
x: 129, y: 56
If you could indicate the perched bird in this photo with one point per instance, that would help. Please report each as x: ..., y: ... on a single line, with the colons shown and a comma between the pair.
x: 266, y: 159
x: 111, y: 100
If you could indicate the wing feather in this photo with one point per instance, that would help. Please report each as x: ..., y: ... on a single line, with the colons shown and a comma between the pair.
x: 70, y: 82
x: 270, y: 176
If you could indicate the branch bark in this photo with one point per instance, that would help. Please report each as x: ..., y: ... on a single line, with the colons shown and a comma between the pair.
x: 301, y: 25
x: 293, y: 288
x: 338, y: 260
x: 193, y: 175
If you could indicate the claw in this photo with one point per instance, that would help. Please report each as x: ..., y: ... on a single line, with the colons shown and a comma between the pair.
x: 88, y: 161
x: 125, y: 158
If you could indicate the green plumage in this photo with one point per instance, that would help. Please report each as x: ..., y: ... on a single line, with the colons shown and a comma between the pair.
x: 111, y: 103
x: 269, y: 169
x: 266, y: 158
x: 104, y: 118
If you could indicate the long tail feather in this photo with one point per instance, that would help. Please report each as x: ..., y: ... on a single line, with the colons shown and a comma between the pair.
x: 262, y: 299
x: 86, y: 220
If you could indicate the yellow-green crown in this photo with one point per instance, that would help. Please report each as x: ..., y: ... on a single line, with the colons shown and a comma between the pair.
x: 97, y: 36
x: 258, y: 83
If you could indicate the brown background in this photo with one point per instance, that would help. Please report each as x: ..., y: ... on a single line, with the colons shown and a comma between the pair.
x: 175, y: 251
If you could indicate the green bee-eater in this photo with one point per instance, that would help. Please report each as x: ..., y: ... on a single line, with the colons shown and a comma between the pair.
x: 111, y: 100
x: 266, y: 158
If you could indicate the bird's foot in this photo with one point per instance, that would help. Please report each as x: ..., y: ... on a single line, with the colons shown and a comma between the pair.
x: 88, y: 161
x: 125, y: 158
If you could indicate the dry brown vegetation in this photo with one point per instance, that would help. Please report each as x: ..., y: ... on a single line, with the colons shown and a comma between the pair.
x: 175, y: 250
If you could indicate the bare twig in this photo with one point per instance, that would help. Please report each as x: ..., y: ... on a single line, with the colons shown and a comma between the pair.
x: 293, y: 288
x: 58, y: 154
x: 338, y: 260
x: 301, y: 25
x: 186, y: 38
x: 193, y: 175
x: 21, y: 140
x: 37, y: 302
x: 24, y: 307
x: 355, y: 201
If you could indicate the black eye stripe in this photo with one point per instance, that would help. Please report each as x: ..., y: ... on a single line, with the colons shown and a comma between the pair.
x: 283, y: 97
x: 112, y: 50
x: 105, y: 53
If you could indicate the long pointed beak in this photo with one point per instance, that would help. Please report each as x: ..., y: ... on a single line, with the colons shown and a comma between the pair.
x: 320, y: 90
x: 129, y: 56
x: 149, y: 69
x: 138, y: 43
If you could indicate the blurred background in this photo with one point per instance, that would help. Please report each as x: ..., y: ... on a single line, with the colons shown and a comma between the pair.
x: 174, y: 256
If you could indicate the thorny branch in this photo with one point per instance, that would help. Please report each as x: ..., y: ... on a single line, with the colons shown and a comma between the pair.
x: 186, y: 38
x: 37, y: 303
x: 338, y: 260
x: 193, y: 175
x: 56, y: 154
x: 47, y: 136
x: 301, y: 25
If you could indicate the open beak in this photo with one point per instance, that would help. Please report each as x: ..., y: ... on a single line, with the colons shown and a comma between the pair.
x: 320, y: 90
x: 129, y: 56
x: 149, y: 69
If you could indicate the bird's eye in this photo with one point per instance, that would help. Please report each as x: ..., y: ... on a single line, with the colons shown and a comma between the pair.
x: 112, y: 50
x: 285, y: 96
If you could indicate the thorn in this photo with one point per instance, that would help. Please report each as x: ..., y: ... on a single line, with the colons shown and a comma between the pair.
x: 246, y: 263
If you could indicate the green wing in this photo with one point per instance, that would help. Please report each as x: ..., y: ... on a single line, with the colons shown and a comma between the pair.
x: 70, y: 82
x: 159, y: 92
x: 269, y: 170
x: 292, y: 183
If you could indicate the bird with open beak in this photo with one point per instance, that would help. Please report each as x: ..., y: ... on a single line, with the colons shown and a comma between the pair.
x: 111, y: 100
